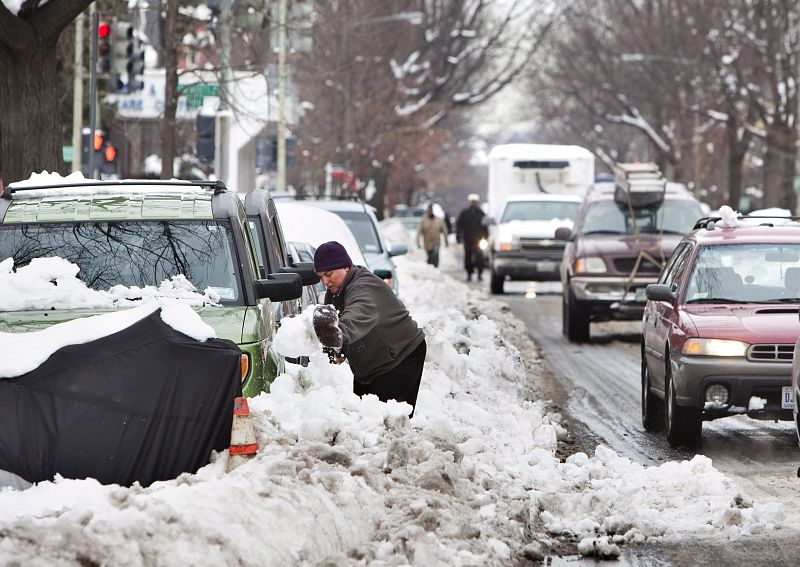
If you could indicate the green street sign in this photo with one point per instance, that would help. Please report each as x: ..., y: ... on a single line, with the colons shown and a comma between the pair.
x: 66, y: 153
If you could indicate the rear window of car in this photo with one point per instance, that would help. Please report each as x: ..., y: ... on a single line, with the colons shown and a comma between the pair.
x: 134, y: 253
x: 540, y: 210
x: 672, y: 216
x: 362, y: 227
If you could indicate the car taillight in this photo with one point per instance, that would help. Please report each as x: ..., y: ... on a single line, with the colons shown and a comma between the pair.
x: 245, y: 365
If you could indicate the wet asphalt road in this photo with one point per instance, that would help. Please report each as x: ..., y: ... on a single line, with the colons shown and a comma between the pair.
x: 600, y: 382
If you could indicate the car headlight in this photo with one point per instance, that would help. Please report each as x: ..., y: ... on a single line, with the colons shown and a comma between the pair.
x: 505, y: 242
x: 590, y: 265
x: 714, y: 347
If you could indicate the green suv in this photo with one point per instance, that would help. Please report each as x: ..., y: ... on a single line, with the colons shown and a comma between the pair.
x: 142, y: 232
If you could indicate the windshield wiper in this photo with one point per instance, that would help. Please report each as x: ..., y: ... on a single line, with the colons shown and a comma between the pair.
x: 651, y: 230
x: 718, y: 300
x: 780, y: 300
x: 586, y: 232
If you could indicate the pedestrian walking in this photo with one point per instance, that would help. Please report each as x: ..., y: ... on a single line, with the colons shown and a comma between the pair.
x: 430, y: 231
x: 369, y: 326
x: 470, y: 230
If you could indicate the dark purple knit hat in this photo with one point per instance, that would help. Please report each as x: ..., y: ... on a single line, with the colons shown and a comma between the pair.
x: 331, y: 256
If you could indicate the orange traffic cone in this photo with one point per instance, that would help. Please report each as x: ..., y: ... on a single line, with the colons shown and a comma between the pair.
x: 243, y: 436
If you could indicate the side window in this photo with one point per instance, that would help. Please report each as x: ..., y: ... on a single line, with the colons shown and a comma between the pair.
x: 276, y: 237
x: 256, y: 234
x: 252, y: 257
x: 674, y: 266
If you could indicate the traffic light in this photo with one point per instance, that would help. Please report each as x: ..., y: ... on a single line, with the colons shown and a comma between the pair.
x: 206, y: 126
x: 103, y: 48
x: 104, y: 154
x: 123, y: 48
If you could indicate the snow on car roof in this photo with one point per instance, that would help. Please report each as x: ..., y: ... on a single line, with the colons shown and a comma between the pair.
x: 305, y: 223
x: 545, y: 197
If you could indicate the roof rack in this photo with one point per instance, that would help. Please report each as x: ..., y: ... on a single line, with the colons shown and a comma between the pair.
x: 218, y: 186
x: 709, y: 223
x: 638, y: 185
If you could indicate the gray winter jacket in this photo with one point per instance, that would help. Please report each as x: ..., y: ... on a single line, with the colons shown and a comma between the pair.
x: 377, y: 329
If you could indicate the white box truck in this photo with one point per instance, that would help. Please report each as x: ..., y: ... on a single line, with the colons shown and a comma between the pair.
x: 533, y: 189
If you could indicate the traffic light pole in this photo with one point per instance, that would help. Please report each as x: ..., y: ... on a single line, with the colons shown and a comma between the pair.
x: 281, y: 185
x: 77, y: 95
x: 93, y: 92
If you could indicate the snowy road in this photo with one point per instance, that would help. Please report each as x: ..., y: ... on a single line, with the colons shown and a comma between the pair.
x: 601, y: 387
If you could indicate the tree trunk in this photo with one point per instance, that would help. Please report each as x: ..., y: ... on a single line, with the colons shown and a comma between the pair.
x: 30, y: 122
x: 170, y: 91
x: 737, y: 149
x: 779, y: 166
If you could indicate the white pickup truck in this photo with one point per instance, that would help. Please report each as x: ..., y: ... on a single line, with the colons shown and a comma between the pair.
x: 533, y: 189
x: 522, y: 244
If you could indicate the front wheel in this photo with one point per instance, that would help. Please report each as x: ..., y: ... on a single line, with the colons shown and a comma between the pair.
x: 684, y: 425
x: 575, y: 323
x: 496, y: 283
x: 652, y: 407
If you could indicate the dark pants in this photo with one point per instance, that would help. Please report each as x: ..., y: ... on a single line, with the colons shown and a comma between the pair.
x: 401, y: 383
x: 433, y: 256
x: 473, y: 257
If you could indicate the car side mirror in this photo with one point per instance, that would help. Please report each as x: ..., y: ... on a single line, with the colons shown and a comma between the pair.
x: 489, y: 221
x: 383, y: 273
x: 303, y: 269
x: 660, y: 292
x: 396, y: 248
x: 563, y: 233
x: 279, y: 287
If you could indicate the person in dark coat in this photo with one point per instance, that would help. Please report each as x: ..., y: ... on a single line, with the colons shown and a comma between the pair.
x: 370, y: 327
x: 470, y: 229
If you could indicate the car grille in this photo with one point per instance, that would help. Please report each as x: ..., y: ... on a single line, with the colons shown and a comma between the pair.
x: 770, y: 353
x: 645, y: 266
x: 542, y: 245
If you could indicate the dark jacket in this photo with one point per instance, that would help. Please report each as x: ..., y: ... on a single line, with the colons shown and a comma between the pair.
x: 469, y: 225
x: 377, y: 329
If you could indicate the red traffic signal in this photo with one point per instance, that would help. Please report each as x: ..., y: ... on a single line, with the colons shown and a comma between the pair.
x: 110, y: 153
x: 103, y: 30
x: 97, y: 143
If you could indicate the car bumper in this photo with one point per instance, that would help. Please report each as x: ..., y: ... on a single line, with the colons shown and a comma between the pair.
x: 611, y: 298
x: 522, y: 266
x: 742, y: 378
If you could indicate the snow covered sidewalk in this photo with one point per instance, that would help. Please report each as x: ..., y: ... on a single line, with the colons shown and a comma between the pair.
x: 472, y: 479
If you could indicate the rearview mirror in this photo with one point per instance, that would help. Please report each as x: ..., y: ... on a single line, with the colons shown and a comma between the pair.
x: 383, y: 273
x: 396, y: 249
x: 303, y: 269
x: 563, y: 233
x: 279, y: 287
x: 660, y: 292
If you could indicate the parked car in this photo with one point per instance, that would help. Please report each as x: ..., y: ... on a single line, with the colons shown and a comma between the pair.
x: 360, y: 219
x: 720, y: 327
x: 304, y: 252
x: 612, y: 253
x: 522, y: 243
x: 271, y: 247
x: 141, y: 232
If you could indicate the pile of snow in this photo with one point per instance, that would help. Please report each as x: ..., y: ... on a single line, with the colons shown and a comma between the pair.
x: 472, y: 479
x: 729, y: 217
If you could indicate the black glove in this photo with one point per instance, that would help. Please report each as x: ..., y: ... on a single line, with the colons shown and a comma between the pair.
x: 326, y: 326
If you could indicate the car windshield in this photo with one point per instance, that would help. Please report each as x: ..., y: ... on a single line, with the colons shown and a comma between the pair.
x: 751, y: 273
x: 362, y: 227
x: 540, y: 210
x: 133, y: 253
x: 672, y: 216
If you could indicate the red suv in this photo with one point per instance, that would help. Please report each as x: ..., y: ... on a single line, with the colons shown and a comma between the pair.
x: 614, y: 251
x: 720, y: 327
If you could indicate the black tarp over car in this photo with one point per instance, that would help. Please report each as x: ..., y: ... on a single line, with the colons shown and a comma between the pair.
x: 144, y: 404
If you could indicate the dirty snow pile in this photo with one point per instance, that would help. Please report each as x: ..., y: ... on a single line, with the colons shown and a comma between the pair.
x: 472, y: 479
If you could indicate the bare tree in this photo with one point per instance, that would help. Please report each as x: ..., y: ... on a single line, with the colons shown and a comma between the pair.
x: 30, y: 123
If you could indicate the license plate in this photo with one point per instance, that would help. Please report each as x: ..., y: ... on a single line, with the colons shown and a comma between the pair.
x: 641, y: 294
x: 787, y: 398
x: 545, y: 266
